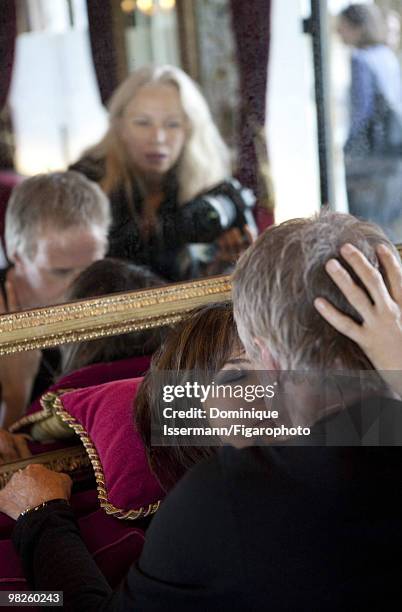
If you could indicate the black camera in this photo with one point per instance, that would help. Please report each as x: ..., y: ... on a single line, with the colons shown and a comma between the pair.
x: 227, y: 205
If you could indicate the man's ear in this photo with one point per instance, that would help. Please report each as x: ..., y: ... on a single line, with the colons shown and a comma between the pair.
x: 266, y: 357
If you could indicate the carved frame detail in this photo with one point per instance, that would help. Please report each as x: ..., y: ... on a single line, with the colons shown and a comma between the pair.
x: 107, y: 316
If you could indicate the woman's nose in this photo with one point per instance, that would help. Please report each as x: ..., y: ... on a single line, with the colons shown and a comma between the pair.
x: 159, y: 135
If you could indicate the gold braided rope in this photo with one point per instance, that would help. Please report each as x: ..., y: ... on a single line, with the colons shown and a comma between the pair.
x: 108, y: 507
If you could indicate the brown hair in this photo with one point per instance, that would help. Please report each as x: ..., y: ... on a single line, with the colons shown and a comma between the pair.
x: 369, y: 20
x: 101, y: 278
x: 203, y: 341
x: 278, y: 278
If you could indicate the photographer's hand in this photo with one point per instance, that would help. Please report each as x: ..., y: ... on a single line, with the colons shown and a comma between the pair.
x: 233, y: 242
x: 380, y: 334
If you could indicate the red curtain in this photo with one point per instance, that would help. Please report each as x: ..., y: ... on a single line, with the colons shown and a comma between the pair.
x: 251, y: 27
x: 100, y: 19
x: 8, y: 33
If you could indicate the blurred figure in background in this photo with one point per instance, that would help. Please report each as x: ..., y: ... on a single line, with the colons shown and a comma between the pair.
x: 373, y: 150
x: 56, y: 226
x: 166, y: 170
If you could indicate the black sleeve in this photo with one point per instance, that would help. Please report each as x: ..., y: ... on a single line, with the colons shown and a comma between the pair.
x: 54, y: 557
x: 182, y: 566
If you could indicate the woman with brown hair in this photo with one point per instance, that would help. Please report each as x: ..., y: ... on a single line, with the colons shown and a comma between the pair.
x: 203, y: 342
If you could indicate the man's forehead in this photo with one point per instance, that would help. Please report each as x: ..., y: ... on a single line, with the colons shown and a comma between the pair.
x: 68, y: 248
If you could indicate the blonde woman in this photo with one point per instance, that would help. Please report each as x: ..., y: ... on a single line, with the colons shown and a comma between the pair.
x: 166, y: 170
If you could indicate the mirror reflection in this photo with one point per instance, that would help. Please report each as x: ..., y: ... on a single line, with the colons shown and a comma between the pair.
x: 367, y: 96
x: 165, y: 169
x: 115, y: 93
x: 168, y: 181
x: 132, y: 152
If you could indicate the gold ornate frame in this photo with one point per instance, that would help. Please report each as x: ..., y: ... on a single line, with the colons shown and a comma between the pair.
x: 72, y: 459
x: 187, y: 32
x: 107, y: 316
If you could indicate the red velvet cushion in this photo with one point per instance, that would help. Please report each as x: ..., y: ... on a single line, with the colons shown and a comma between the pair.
x: 113, y: 544
x: 103, y: 418
x: 97, y: 374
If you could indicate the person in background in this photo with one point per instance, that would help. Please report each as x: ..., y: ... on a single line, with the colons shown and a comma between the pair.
x: 166, y: 170
x: 373, y: 149
x: 9, y: 178
x: 56, y: 226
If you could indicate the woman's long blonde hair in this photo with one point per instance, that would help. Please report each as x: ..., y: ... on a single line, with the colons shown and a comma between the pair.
x: 204, y: 161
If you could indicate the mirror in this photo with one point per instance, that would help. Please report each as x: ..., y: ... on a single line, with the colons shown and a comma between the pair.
x: 70, y: 55
x: 366, y: 110
x: 64, y: 59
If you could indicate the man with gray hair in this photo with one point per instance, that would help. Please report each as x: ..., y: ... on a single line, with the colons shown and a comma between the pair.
x: 56, y: 225
x: 275, y: 284
x: 269, y: 527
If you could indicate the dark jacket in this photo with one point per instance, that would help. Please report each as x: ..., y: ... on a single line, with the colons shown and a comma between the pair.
x: 166, y: 252
x: 376, y: 89
x: 265, y: 528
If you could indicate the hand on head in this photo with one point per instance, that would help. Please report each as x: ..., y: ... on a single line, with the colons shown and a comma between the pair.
x: 31, y: 487
x: 380, y: 334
